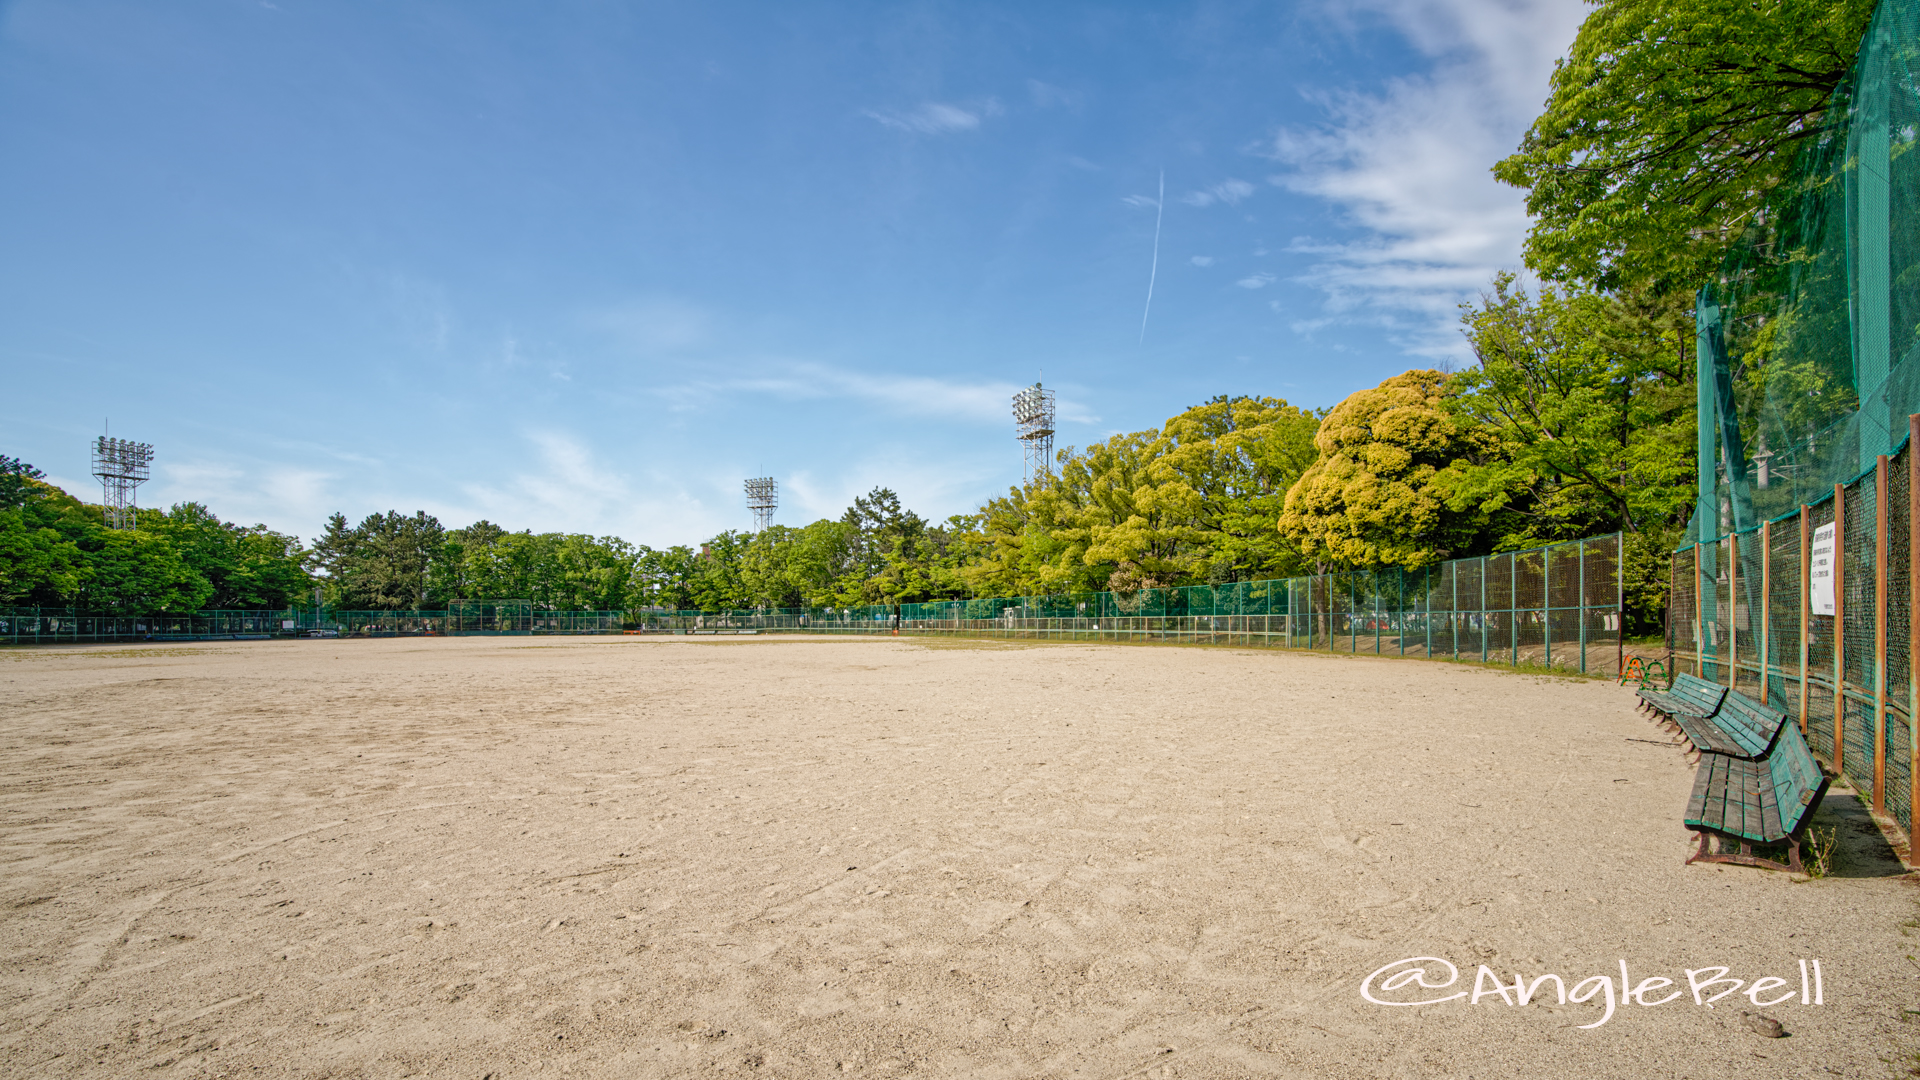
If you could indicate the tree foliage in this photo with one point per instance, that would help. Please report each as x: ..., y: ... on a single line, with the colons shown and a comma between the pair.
x: 1591, y: 404
x: 1669, y: 124
x: 56, y: 551
x: 1379, y: 495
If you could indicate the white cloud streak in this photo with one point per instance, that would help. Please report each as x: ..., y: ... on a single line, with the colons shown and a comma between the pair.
x: 1409, y: 163
x: 935, y: 117
x: 1229, y: 192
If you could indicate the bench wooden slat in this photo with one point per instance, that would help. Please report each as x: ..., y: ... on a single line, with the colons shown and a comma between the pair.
x: 1763, y: 801
x: 1690, y: 696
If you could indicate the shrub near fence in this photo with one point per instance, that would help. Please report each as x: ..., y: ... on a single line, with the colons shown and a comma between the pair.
x: 1557, y: 606
x: 1744, y: 613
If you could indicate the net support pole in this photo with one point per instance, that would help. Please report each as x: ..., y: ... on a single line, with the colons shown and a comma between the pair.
x: 1913, y: 632
x: 1806, y: 613
x: 1581, y: 613
x: 1699, y: 618
x: 1620, y: 603
x: 1839, y: 627
x: 1766, y: 609
x: 1880, y: 633
x: 1546, y: 606
x: 1733, y: 611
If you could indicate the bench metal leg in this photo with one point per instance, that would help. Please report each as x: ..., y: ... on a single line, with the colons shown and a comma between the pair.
x: 1745, y: 857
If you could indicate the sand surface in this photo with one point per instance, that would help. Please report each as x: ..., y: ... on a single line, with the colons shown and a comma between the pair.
x: 779, y: 857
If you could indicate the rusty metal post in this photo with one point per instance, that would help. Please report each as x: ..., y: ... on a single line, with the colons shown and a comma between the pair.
x: 1766, y: 610
x: 1880, y: 633
x: 1806, y: 612
x: 1699, y: 618
x: 1913, y: 631
x: 1733, y: 611
x: 1839, y: 627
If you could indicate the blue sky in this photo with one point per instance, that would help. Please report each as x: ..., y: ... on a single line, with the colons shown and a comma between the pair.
x: 585, y: 266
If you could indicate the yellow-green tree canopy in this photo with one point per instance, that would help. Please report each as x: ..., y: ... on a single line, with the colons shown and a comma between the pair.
x: 1191, y: 502
x: 1376, y: 497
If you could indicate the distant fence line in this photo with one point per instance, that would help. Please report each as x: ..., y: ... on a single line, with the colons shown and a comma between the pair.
x: 1813, y: 611
x: 1557, y: 606
x: 31, y: 625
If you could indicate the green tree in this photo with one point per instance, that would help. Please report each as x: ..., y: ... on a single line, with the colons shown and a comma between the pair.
x: 40, y: 561
x: 247, y: 567
x: 1375, y: 497
x: 663, y: 579
x: 1670, y: 124
x: 132, y: 572
x: 384, y: 563
x: 1592, y: 409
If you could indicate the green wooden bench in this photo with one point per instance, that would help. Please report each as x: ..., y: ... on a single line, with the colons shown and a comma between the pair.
x: 1742, y: 801
x: 1690, y: 696
x: 1742, y: 728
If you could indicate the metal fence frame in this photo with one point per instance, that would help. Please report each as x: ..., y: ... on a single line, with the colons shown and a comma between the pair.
x: 1558, y: 606
x: 52, y: 626
x: 1742, y: 616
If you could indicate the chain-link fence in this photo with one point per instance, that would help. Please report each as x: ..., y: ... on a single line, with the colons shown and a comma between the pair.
x: 49, y: 626
x: 1551, y: 607
x: 1812, y: 611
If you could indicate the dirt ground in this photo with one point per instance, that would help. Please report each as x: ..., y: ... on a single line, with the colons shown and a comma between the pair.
x: 798, y: 857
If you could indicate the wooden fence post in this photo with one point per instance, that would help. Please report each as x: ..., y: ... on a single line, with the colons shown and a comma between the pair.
x: 1880, y: 633
x: 1839, y: 626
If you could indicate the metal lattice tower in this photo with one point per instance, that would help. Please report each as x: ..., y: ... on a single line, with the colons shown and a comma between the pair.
x: 763, y: 498
x: 122, y: 465
x: 1033, y: 416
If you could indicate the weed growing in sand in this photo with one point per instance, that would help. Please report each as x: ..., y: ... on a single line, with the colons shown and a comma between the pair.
x: 1820, y: 848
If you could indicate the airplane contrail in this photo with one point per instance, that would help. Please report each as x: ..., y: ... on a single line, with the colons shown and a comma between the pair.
x: 1159, y: 210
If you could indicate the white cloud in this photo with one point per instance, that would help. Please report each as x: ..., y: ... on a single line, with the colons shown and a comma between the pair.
x: 1409, y: 163
x: 1048, y: 96
x: 1140, y: 200
x: 654, y: 324
x: 1201, y: 260
x: 935, y: 117
x: 905, y: 395
x: 1227, y: 191
x: 1256, y: 281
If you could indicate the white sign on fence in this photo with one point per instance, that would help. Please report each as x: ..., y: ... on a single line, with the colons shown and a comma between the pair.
x: 1820, y: 571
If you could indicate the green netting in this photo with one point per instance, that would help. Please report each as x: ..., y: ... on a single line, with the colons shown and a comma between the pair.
x: 1809, y: 337
x: 29, y: 626
x: 1739, y: 603
x: 1558, y: 606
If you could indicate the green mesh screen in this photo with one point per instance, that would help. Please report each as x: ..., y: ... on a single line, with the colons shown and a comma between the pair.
x: 1809, y: 337
x: 1848, y: 678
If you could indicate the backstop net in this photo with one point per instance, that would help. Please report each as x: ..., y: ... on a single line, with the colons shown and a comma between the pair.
x: 1796, y: 582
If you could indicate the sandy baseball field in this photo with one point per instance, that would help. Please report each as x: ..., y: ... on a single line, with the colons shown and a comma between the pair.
x: 800, y: 857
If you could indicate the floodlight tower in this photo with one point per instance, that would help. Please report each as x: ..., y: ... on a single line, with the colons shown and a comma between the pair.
x: 121, y: 465
x: 1033, y: 418
x: 763, y: 498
